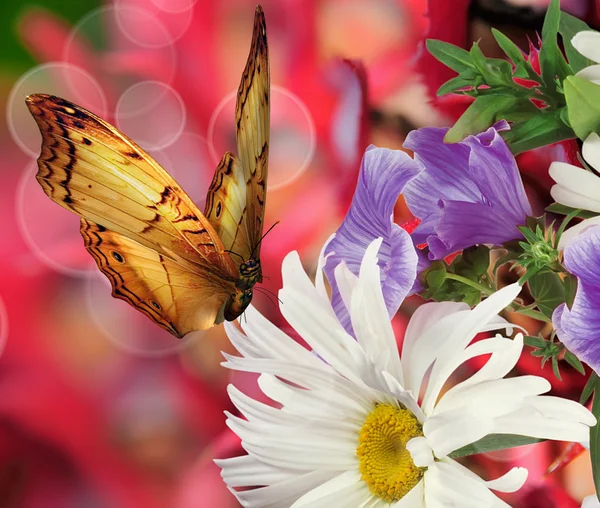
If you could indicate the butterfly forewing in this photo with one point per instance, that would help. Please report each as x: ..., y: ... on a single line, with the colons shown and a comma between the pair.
x: 245, y: 220
x: 89, y: 167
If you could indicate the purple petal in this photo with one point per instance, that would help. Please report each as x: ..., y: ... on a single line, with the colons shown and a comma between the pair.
x: 579, y: 328
x: 479, y: 170
x: 383, y: 175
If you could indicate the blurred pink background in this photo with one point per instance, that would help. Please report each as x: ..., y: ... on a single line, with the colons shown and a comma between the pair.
x: 100, y: 408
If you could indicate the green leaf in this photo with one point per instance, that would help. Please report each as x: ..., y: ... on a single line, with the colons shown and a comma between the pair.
x: 555, y: 368
x: 454, y: 84
x: 595, y: 436
x: 568, y: 27
x: 588, y: 388
x: 566, y: 210
x: 574, y: 362
x: 458, y: 59
x: 547, y: 290
x: 512, y: 51
x: 552, y: 62
x: 540, y: 130
x: 570, y: 283
x: 583, y: 102
x: 494, y: 442
x: 495, y: 72
x: 480, y: 115
x: 536, y: 342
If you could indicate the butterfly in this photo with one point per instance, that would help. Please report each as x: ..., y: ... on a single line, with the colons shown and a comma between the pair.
x: 184, y: 269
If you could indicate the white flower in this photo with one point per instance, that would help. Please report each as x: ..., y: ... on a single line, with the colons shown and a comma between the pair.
x: 590, y: 502
x: 587, y: 43
x: 359, y: 425
x: 578, y: 188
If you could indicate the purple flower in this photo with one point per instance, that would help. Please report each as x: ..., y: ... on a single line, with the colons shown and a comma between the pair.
x: 383, y: 175
x: 579, y: 328
x: 468, y: 193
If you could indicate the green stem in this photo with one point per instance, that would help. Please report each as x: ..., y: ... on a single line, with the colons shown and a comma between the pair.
x: 484, y: 289
x: 529, y: 312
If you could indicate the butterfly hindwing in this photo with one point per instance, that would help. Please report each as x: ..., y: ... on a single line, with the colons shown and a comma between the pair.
x: 89, y: 167
x: 164, y: 290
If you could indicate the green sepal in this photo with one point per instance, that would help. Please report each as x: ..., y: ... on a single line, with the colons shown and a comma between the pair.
x: 570, y: 284
x: 574, y: 362
x: 552, y: 61
x: 568, y: 27
x: 566, y: 210
x: 588, y: 389
x: 583, y: 103
x: 595, y: 436
x: 492, y: 443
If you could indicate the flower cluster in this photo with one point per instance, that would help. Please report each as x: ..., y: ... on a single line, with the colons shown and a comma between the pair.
x: 363, y: 416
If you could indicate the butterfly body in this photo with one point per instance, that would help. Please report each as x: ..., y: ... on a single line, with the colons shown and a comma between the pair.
x: 160, y: 253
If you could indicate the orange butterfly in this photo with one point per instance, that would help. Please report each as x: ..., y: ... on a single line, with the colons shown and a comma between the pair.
x: 159, y: 252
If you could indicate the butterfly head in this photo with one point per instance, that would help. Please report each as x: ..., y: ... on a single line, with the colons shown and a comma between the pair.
x: 237, y: 304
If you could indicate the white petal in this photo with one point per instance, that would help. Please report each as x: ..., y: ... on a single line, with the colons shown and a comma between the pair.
x: 427, y: 325
x: 403, y: 396
x: 451, y: 430
x: 576, y: 187
x: 346, y: 282
x: 313, y: 318
x: 246, y: 471
x: 414, y: 499
x: 320, y: 275
x: 498, y: 365
x: 420, y: 451
x: 282, y: 494
x: 591, y: 502
x: 591, y: 148
x: 576, y: 230
x: 587, y: 43
x: 370, y: 319
x: 510, y: 482
x: 347, y: 489
x: 591, y: 73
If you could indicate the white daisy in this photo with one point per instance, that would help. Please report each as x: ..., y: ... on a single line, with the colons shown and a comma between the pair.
x: 359, y: 425
x: 587, y: 43
x: 578, y: 188
x: 591, y: 502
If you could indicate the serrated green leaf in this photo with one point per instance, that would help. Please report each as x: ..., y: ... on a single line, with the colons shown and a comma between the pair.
x: 494, y: 442
x: 588, y: 389
x: 436, y: 275
x: 458, y: 59
x: 548, y: 291
x: 595, y: 436
x: 574, y: 362
x: 566, y: 210
x: 583, y: 103
x: 568, y: 27
x: 480, y: 115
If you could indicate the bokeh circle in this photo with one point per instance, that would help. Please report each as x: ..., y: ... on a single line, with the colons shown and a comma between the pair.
x: 152, y: 113
x: 293, y: 137
x: 58, y: 78
x: 127, y: 328
x: 50, y: 231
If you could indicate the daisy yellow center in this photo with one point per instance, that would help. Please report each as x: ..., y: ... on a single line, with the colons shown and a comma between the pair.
x: 385, y: 464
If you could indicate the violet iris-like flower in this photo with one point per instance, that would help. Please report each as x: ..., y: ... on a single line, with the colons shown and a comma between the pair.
x: 467, y: 193
x: 383, y: 175
x: 579, y: 327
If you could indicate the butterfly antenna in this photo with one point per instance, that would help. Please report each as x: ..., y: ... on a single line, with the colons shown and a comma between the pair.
x: 262, y: 237
x: 270, y: 292
x: 239, y: 255
x: 268, y: 297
